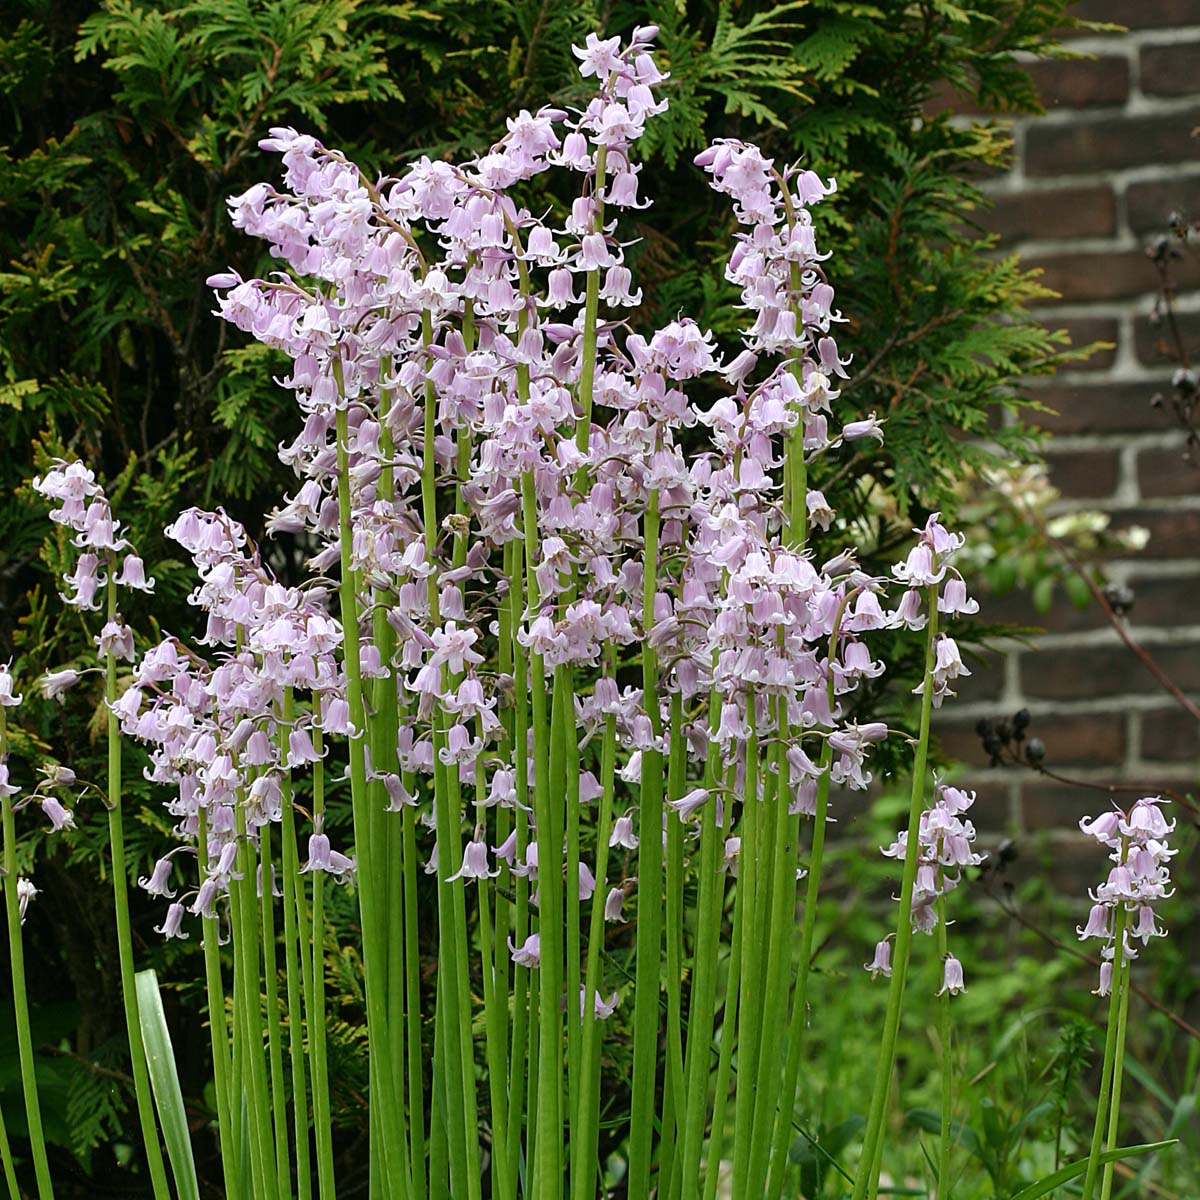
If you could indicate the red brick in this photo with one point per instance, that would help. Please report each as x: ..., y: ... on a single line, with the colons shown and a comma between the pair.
x: 1173, y: 535
x: 1140, y: 14
x: 1085, y: 331
x: 1111, y: 143
x: 1104, y: 671
x: 1170, y: 735
x: 1165, y: 472
x: 1063, y: 616
x: 1115, y: 275
x: 1056, y: 858
x: 1172, y: 70
x: 1058, y: 213
x: 1097, y: 408
x: 1152, y: 340
x: 1161, y: 601
x: 1084, y: 474
x: 1059, y: 806
x: 1149, y: 205
x: 1075, y: 83
x: 1070, y: 740
x: 986, y: 681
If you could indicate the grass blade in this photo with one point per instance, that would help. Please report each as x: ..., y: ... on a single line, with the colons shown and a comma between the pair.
x: 1043, y: 1187
x: 164, y: 1082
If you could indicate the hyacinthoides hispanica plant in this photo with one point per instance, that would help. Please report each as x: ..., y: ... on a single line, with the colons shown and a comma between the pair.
x: 565, y: 668
x: 1123, y: 914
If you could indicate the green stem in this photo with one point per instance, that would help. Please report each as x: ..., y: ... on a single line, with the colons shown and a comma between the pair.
x: 784, y: 837
x: 648, y: 968
x: 799, y: 1015
x: 283, y: 1160
x: 33, y: 1112
x: 393, y: 1150
x: 412, y: 988
x: 517, y: 1093
x: 701, y: 1010
x: 1119, y: 972
x: 326, y: 1178
x: 873, y: 1140
x: 675, y: 1093
x: 1114, y: 1107
x: 249, y: 1011
x: 10, y: 1171
x: 587, y: 1121
x: 943, y: 1185
x: 297, y: 986
x: 547, y: 1165
x: 725, y: 1060
x: 116, y: 834
x: 227, y: 1131
x: 750, y: 1011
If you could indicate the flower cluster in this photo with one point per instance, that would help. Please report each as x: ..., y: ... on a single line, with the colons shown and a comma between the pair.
x: 82, y: 506
x: 1123, y: 905
x: 945, y: 842
x: 54, y: 776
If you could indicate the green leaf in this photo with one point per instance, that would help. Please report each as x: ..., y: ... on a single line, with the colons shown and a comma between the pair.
x: 164, y: 1080
x: 1043, y: 1187
x: 962, y: 1134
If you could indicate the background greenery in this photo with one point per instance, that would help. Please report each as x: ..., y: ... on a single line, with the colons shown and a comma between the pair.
x: 127, y: 124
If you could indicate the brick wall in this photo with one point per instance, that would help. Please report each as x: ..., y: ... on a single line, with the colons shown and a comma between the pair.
x: 1091, y: 185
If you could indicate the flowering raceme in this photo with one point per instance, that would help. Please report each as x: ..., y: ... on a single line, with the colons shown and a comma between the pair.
x: 567, y: 645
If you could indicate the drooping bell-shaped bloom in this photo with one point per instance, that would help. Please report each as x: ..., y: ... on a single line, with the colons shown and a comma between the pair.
x: 474, y: 863
x: 8, y: 698
x: 952, y: 977
x: 881, y: 964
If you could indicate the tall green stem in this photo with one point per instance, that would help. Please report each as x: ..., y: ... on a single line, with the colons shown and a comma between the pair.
x: 1114, y: 1108
x: 648, y: 969
x: 248, y: 1013
x: 1119, y: 972
x: 873, y: 1140
x: 943, y: 1185
x: 701, y: 1010
x: 326, y: 1178
x: 547, y: 1168
x: 393, y: 1150
x: 33, y: 1112
x: 6, y: 1158
x: 297, y: 986
x: 586, y: 1127
x: 283, y: 1159
x: 120, y: 879
x: 227, y: 1130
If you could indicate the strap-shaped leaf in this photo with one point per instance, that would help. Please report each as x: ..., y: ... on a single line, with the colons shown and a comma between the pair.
x: 1043, y: 1187
x: 164, y: 1080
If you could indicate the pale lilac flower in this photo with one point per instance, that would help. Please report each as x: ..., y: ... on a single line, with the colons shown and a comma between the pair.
x: 1139, y: 878
x: 55, y: 684
x: 603, y: 1009
x: 25, y: 893
x: 116, y: 638
x: 954, y: 600
x: 133, y: 575
x: 474, y: 863
x: 7, y: 698
x: 952, y: 977
x: 529, y: 954
x: 623, y: 833
x: 613, y: 904
x: 159, y: 881
x: 881, y: 964
x: 173, y: 922
x: 59, y: 817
